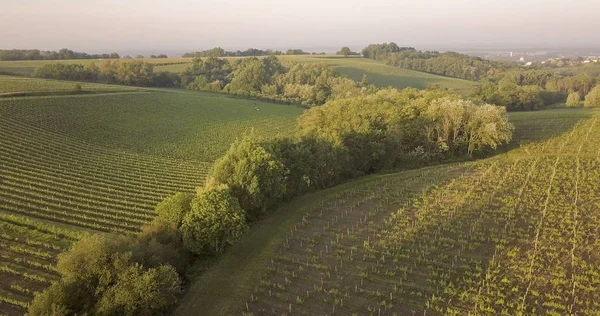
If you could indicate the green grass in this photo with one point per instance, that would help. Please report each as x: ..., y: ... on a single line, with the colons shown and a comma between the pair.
x: 341, y: 249
x: 189, y: 126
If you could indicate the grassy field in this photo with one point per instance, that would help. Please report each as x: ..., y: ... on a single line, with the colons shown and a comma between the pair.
x: 382, y: 75
x: 512, y: 233
x: 101, y: 163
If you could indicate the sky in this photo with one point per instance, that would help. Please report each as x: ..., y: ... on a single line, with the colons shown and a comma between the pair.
x: 185, y: 25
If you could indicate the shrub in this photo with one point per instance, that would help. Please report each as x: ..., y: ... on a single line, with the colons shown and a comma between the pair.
x: 592, y: 100
x: 574, y: 100
x: 173, y: 208
x: 99, y: 277
x: 215, y: 222
x: 253, y: 173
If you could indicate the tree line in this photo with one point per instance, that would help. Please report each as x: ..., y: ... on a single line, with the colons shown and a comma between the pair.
x: 448, y: 64
x: 251, y: 52
x: 36, y: 54
x: 340, y: 140
x: 268, y: 78
x: 501, y: 83
x: 534, y: 89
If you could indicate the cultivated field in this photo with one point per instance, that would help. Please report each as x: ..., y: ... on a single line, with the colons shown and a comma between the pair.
x: 12, y: 86
x: 189, y: 126
x: 101, y: 163
x: 511, y: 234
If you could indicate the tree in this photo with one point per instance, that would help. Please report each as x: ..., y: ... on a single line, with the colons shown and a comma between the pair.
x: 592, y: 100
x: 100, y: 277
x: 574, y: 100
x: 173, y: 209
x: 215, y: 222
x: 345, y: 51
x: 141, y: 292
x: 253, y: 173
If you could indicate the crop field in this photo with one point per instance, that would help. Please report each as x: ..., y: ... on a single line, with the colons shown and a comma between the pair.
x: 189, y: 126
x: 91, y: 163
x: 28, y: 252
x: 10, y: 85
x: 512, y: 234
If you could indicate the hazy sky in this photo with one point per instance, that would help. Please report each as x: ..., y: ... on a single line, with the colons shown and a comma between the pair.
x: 171, y: 25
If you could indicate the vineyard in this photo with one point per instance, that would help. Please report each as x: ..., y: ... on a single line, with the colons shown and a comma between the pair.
x: 188, y: 126
x: 28, y: 252
x: 513, y: 234
x: 11, y: 85
x: 91, y: 163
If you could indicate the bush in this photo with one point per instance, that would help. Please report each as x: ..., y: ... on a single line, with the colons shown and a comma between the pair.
x: 99, y: 277
x: 574, y: 100
x: 253, y: 173
x: 173, y: 209
x: 215, y: 222
x: 592, y: 100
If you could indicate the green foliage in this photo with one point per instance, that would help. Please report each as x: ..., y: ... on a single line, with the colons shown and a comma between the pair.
x: 254, y: 174
x: 141, y: 292
x: 36, y: 54
x: 215, y: 222
x: 384, y: 129
x: 132, y: 73
x: 346, y: 51
x: 592, y: 99
x: 447, y: 64
x: 574, y: 100
x: 174, y: 208
x: 99, y: 277
x: 303, y: 83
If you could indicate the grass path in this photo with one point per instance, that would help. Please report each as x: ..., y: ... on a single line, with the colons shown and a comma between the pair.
x: 225, y: 286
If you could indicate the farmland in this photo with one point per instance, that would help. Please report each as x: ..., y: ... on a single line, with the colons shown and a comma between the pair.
x: 10, y: 85
x: 379, y: 74
x: 100, y: 163
x: 512, y: 233
x: 191, y: 126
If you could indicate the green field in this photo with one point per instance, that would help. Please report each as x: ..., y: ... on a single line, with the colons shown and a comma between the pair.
x: 101, y: 163
x: 512, y: 233
x: 382, y: 75
x: 189, y: 126
x: 10, y: 85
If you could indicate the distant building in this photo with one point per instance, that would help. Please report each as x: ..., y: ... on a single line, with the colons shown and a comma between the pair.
x: 522, y: 59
